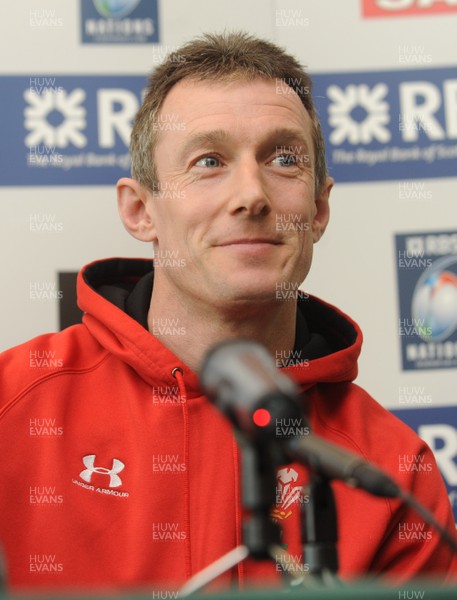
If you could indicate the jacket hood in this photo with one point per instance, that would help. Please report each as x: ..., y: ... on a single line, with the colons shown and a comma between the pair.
x: 115, y: 294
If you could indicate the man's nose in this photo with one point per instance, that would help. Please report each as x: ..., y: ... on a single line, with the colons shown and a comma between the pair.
x: 248, y: 190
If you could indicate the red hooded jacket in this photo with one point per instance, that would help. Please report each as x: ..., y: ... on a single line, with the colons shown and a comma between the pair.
x: 117, y: 473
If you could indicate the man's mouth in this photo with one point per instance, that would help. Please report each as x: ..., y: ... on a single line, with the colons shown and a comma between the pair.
x: 250, y: 241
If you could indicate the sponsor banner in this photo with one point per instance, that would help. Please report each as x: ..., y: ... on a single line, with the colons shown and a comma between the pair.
x: 407, y: 8
x: 427, y: 288
x: 438, y: 428
x: 70, y: 130
x: 67, y: 130
x: 390, y: 125
x: 119, y: 22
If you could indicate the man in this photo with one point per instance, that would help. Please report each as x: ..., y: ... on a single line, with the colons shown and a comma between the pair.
x: 117, y: 471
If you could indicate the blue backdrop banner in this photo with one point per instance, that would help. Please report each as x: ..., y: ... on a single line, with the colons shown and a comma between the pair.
x: 388, y: 125
x: 67, y: 130
x: 437, y: 427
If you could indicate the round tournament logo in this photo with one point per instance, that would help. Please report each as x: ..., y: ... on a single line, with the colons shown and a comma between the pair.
x: 115, y: 9
x: 434, y: 305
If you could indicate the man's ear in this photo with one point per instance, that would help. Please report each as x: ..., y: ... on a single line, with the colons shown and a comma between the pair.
x: 134, y: 205
x: 322, y: 215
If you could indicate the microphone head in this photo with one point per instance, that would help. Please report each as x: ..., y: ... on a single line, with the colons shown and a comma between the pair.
x: 240, y: 377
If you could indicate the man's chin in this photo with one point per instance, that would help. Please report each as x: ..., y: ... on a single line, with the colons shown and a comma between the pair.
x: 249, y: 294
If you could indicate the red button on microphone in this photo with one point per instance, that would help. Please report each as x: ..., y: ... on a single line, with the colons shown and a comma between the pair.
x: 261, y: 417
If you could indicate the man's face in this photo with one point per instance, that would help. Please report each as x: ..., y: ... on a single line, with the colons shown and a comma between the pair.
x: 236, y: 209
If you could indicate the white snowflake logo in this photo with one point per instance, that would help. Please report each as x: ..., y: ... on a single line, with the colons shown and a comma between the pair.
x: 358, y: 97
x: 68, y: 105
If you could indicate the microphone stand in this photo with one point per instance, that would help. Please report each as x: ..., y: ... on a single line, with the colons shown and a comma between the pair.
x: 258, y: 495
x: 260, y: 534
x: 319, y: 530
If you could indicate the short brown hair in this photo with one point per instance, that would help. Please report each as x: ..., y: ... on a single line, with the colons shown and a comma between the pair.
x: 219, y: 57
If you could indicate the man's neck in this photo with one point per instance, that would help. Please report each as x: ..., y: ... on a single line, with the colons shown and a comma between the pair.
x: 189, y: 329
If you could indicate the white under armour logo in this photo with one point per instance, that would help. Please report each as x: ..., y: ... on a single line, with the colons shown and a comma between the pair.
x: 114, y: 479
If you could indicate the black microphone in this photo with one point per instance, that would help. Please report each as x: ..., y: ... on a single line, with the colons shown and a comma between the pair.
x: 240, y: 377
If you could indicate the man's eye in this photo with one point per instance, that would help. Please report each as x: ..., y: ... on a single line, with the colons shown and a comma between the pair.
x: 286, y: 160
x: 208, y: 161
